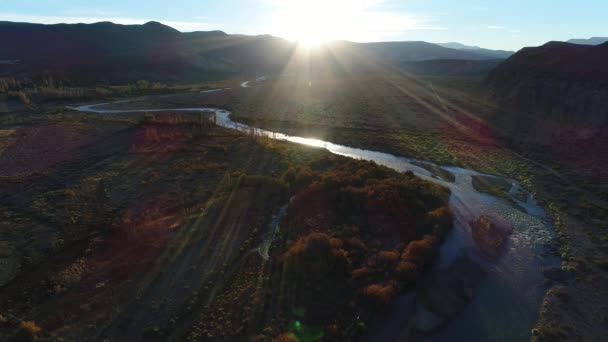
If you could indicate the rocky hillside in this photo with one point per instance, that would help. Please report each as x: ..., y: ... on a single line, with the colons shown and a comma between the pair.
x: 553, y: 87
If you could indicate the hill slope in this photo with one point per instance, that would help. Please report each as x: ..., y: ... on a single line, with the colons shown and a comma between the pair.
x: 110, y: 52
x: 115, y: 53
x: 554, y: 88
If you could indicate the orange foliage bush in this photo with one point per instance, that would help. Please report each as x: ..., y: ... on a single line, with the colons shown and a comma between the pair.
x: 388, y: 258
x: 312, y: 256
x: 359, y: 219
x: 355, y: 243
x: 360, y: 273
x: 380, y: 295
x: 442, y: 216
x: 335, y: 242
x: 407, y: 271
x: 27, y: 331
x: 422, y: 251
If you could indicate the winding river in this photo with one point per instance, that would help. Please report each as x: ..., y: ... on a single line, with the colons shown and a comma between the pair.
x: 501, y: 295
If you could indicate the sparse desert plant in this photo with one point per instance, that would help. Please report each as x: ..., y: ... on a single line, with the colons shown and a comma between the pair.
x: 148, y: 117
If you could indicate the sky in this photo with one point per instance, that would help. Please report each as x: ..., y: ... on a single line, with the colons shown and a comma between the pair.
x: 508, y: 25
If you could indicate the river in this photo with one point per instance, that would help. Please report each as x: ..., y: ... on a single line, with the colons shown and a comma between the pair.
x: 503, y: 294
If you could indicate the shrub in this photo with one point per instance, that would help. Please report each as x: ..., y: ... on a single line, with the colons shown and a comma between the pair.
x: 355, y: 243
x: 316, y: 275
x: 441, y: 216
x: 388, y: 258
x: 313, y: 254
x: 21, y: 96
x: 27, y: 331
x: 335, y: 243
x: 422, y: 251
x: 148, y: 117
x: 303, y: 177
x: 380, y: 296
x: 406, y: 271
x: 360, y: 273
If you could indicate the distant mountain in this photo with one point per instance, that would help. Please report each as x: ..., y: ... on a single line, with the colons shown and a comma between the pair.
x: 502, y: 54
x: 590, y: 41
x: 418, y: 51
x: 458, y: 46
x: 552, y: 88
x: 451, y: 67
x: 113, y: 53
x: 121, y: 53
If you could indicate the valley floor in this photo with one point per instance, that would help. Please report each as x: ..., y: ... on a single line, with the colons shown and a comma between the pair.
x: 63, y: 173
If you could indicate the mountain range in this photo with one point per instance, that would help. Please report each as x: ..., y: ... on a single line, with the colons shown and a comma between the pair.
x: 590, y: 41
x: 499, y: 54
x: 113, y: 53
x: 565, y: 82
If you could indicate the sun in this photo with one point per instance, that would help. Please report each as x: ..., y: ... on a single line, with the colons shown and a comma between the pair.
x: 310, y: 39
x: 310, y: 22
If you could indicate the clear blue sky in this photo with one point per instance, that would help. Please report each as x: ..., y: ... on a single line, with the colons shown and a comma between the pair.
x: 492, y: 24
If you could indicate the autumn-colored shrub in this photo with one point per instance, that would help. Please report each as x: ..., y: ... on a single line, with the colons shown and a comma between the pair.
x: 313, y: 255
x: 352, y: 224
x: 388, y: 258
x: 440, y: 220
x: 380, y: 296
x: 442, y: 216
x: 406, y: 271
x: 303, y: 177
x: 355, y: 243
x: 27, y: 331
x: 360, y: 273
x: 422, y: 251
x: 316, y: 275
x: 335, y: 243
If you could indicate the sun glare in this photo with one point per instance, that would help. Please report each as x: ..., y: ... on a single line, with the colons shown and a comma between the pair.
x: 315, y: 22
